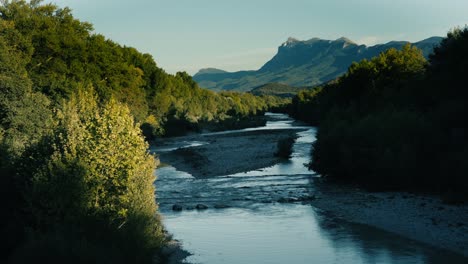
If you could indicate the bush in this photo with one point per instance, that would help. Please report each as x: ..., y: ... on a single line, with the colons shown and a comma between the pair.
x: 92, y: 173
x: 284, y: 147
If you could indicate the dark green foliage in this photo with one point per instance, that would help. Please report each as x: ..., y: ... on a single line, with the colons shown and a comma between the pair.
x: 386, y: 150
x: 276, y: 89
x: 367, y: 86
x: 235, y: 123
x: 24, y: 116
x: 284, y: 147
x: 305, y: 105
x: 395, y: 121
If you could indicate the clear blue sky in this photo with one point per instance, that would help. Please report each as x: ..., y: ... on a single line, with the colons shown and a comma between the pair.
x: 186, y: 35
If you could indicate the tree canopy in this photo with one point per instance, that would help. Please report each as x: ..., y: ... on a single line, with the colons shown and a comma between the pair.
x: 63, y: 54
x: 387, y: 118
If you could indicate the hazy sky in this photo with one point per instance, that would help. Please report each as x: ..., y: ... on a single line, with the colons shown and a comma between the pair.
x: 186, y: 35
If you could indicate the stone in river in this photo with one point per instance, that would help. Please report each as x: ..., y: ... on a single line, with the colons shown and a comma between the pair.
x: 201, y: 207
x: 177, y: 207
x: 221, y: 206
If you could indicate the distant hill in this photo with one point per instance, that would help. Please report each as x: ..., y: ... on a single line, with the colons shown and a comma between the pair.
x: 303, y: 63
x: 211, y: 71
x: 277, y: 89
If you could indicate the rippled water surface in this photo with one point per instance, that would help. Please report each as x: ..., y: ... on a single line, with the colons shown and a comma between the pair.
x: 265, y: 217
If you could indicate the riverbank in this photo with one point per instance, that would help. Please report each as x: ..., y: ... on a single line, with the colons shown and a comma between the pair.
x: 172, y: 253
x: 419, y: 217
x: 223, y: 154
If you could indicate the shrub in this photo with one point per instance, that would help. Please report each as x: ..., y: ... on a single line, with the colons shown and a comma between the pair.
x: 284, y: 147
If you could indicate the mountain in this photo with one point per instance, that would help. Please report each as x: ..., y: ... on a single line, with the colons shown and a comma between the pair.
x: 303, y: 63
x: 211, y: 71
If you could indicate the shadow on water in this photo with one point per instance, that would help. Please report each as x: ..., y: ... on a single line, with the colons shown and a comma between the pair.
x: 269, y: 220
x: 377, y: 246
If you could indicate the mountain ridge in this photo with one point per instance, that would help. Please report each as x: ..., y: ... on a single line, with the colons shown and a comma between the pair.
x: 303, y: 63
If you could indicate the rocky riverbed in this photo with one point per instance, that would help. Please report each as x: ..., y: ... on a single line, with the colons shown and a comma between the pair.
x: 206, y: 175
x: 222, y: 154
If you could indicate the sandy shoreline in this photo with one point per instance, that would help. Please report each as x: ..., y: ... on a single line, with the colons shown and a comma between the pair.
x: 422, y: 218
x: 228, y: 153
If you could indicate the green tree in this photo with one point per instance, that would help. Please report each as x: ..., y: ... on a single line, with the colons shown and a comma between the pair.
x: 24, y: 118
x: 94, y: 172
x: 369, y: 130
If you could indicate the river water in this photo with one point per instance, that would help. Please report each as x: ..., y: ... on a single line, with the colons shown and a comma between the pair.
x: 262, y: 216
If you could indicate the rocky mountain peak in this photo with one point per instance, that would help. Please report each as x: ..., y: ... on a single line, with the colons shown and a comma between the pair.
x: 290, y: 42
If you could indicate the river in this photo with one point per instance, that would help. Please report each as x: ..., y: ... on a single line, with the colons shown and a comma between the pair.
x: 252, y: 224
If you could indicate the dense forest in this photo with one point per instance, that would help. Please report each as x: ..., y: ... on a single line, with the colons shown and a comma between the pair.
x: 76, y: 177
x: 277, y: 89
x: 396, y: 121
x: 63, y: 55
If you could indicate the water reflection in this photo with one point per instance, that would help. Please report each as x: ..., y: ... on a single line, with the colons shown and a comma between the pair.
x: 292, y: 234
x: 258, y: 229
